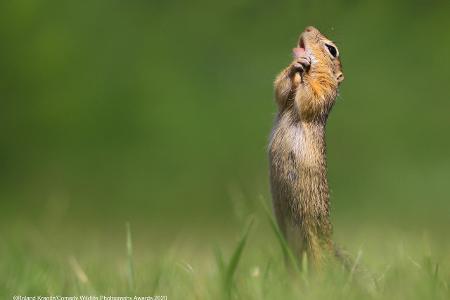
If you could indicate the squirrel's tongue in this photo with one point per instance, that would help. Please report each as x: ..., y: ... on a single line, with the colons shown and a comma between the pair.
x: 298, y: 52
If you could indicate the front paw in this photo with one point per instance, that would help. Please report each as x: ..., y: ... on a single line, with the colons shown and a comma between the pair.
x: 302, y: 64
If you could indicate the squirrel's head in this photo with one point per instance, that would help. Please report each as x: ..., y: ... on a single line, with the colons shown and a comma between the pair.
x: 319, y: 76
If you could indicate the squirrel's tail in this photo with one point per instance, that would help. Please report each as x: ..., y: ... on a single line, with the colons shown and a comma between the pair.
x: 357, y: 271
x: 344, y: 258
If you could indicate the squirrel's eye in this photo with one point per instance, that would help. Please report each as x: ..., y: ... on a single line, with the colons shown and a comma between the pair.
x: 332, y: 50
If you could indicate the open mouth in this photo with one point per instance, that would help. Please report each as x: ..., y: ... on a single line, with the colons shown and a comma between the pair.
x: 301, y: 43
x: 302, y: 59
x: 300, y: 51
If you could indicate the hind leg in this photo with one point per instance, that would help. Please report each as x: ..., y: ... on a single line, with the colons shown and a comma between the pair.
x: 296, y: 240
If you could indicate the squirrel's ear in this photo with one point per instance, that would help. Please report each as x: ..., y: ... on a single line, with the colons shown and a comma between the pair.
x: 340, y: 77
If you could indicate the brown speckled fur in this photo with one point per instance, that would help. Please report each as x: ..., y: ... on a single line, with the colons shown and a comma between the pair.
x: 297, y: 150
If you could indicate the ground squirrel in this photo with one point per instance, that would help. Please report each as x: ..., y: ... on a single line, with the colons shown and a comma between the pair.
x: 305, y: 93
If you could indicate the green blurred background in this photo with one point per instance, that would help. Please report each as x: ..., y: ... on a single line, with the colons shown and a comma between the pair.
x: 159, y: 112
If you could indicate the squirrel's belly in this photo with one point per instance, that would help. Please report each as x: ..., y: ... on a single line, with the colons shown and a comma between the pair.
x: 284, y: 172
x: 286, y: 148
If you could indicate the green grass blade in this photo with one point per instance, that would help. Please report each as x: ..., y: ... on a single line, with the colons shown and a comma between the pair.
x: 130, y: 258
x: 235, y: 258
x: 156, y: 280
x: 305, y: 267
x: 219, y: 261
x: 287, y: 253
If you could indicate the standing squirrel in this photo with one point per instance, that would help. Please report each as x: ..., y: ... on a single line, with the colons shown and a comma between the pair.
x: 305, y: 92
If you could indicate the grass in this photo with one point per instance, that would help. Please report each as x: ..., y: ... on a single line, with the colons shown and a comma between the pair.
x: 188, y: 266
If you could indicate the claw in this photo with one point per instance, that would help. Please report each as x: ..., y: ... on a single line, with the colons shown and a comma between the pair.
x: 302, y: 61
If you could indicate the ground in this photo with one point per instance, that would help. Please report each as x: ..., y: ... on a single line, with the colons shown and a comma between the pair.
x: 239, y: 263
